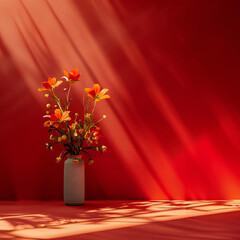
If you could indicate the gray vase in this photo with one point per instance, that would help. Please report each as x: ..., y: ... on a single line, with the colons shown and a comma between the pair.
x: 74, y: 181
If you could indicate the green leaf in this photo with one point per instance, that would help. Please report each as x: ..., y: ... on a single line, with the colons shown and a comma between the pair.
x: 52, y: 129
x: 65, y: 154
x: 52, y: 96
x: 68, y: 103
x: 80, y: 123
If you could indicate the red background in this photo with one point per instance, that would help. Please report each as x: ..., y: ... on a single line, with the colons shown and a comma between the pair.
x: 172, y: 68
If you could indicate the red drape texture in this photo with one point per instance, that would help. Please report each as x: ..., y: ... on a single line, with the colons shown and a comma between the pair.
x: 172, y: 68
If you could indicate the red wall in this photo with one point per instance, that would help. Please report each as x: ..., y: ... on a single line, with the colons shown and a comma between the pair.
x: 172, y: 68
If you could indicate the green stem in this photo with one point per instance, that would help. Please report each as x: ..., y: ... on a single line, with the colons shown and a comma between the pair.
x: 92, y: 148
x: 83, y: 104
x: 57, y: 100
x: 69, y: 89
x: 93, y: 107
x: 73, y: 142
x: 86, y: 153
x: 99, y: 120
x: 85, y: 108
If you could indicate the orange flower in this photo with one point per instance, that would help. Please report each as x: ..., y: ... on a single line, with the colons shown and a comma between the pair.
x: 57, y: 116
x: 72, y: 76
x: 96, y: 94
x: 51, y: 83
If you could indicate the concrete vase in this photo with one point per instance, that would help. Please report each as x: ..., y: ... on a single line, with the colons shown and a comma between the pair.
x: 74, y: 181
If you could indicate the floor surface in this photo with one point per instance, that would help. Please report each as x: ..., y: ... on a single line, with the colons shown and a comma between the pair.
x: 121, y: 220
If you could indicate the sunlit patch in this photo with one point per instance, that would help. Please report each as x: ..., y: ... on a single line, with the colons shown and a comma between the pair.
x: 61, y: 221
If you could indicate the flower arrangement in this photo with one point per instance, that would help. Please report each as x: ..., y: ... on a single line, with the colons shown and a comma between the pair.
x: 76, y: 135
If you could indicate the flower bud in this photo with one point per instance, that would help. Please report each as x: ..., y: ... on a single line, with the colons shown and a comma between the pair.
x: 103, y: 149
x: 47, y: 95
x: 48, y: 105
x: 58, y: 159
x: 76, y: 114
x: 59, y: 139
x: 47, y: 124
x: 49, y: 145
x: 104, y: 116
x: 64, y: 137
x: 90, y: 161
x: 51, y: 137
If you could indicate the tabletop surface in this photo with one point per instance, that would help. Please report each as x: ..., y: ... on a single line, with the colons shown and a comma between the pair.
x: 120, y: 220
